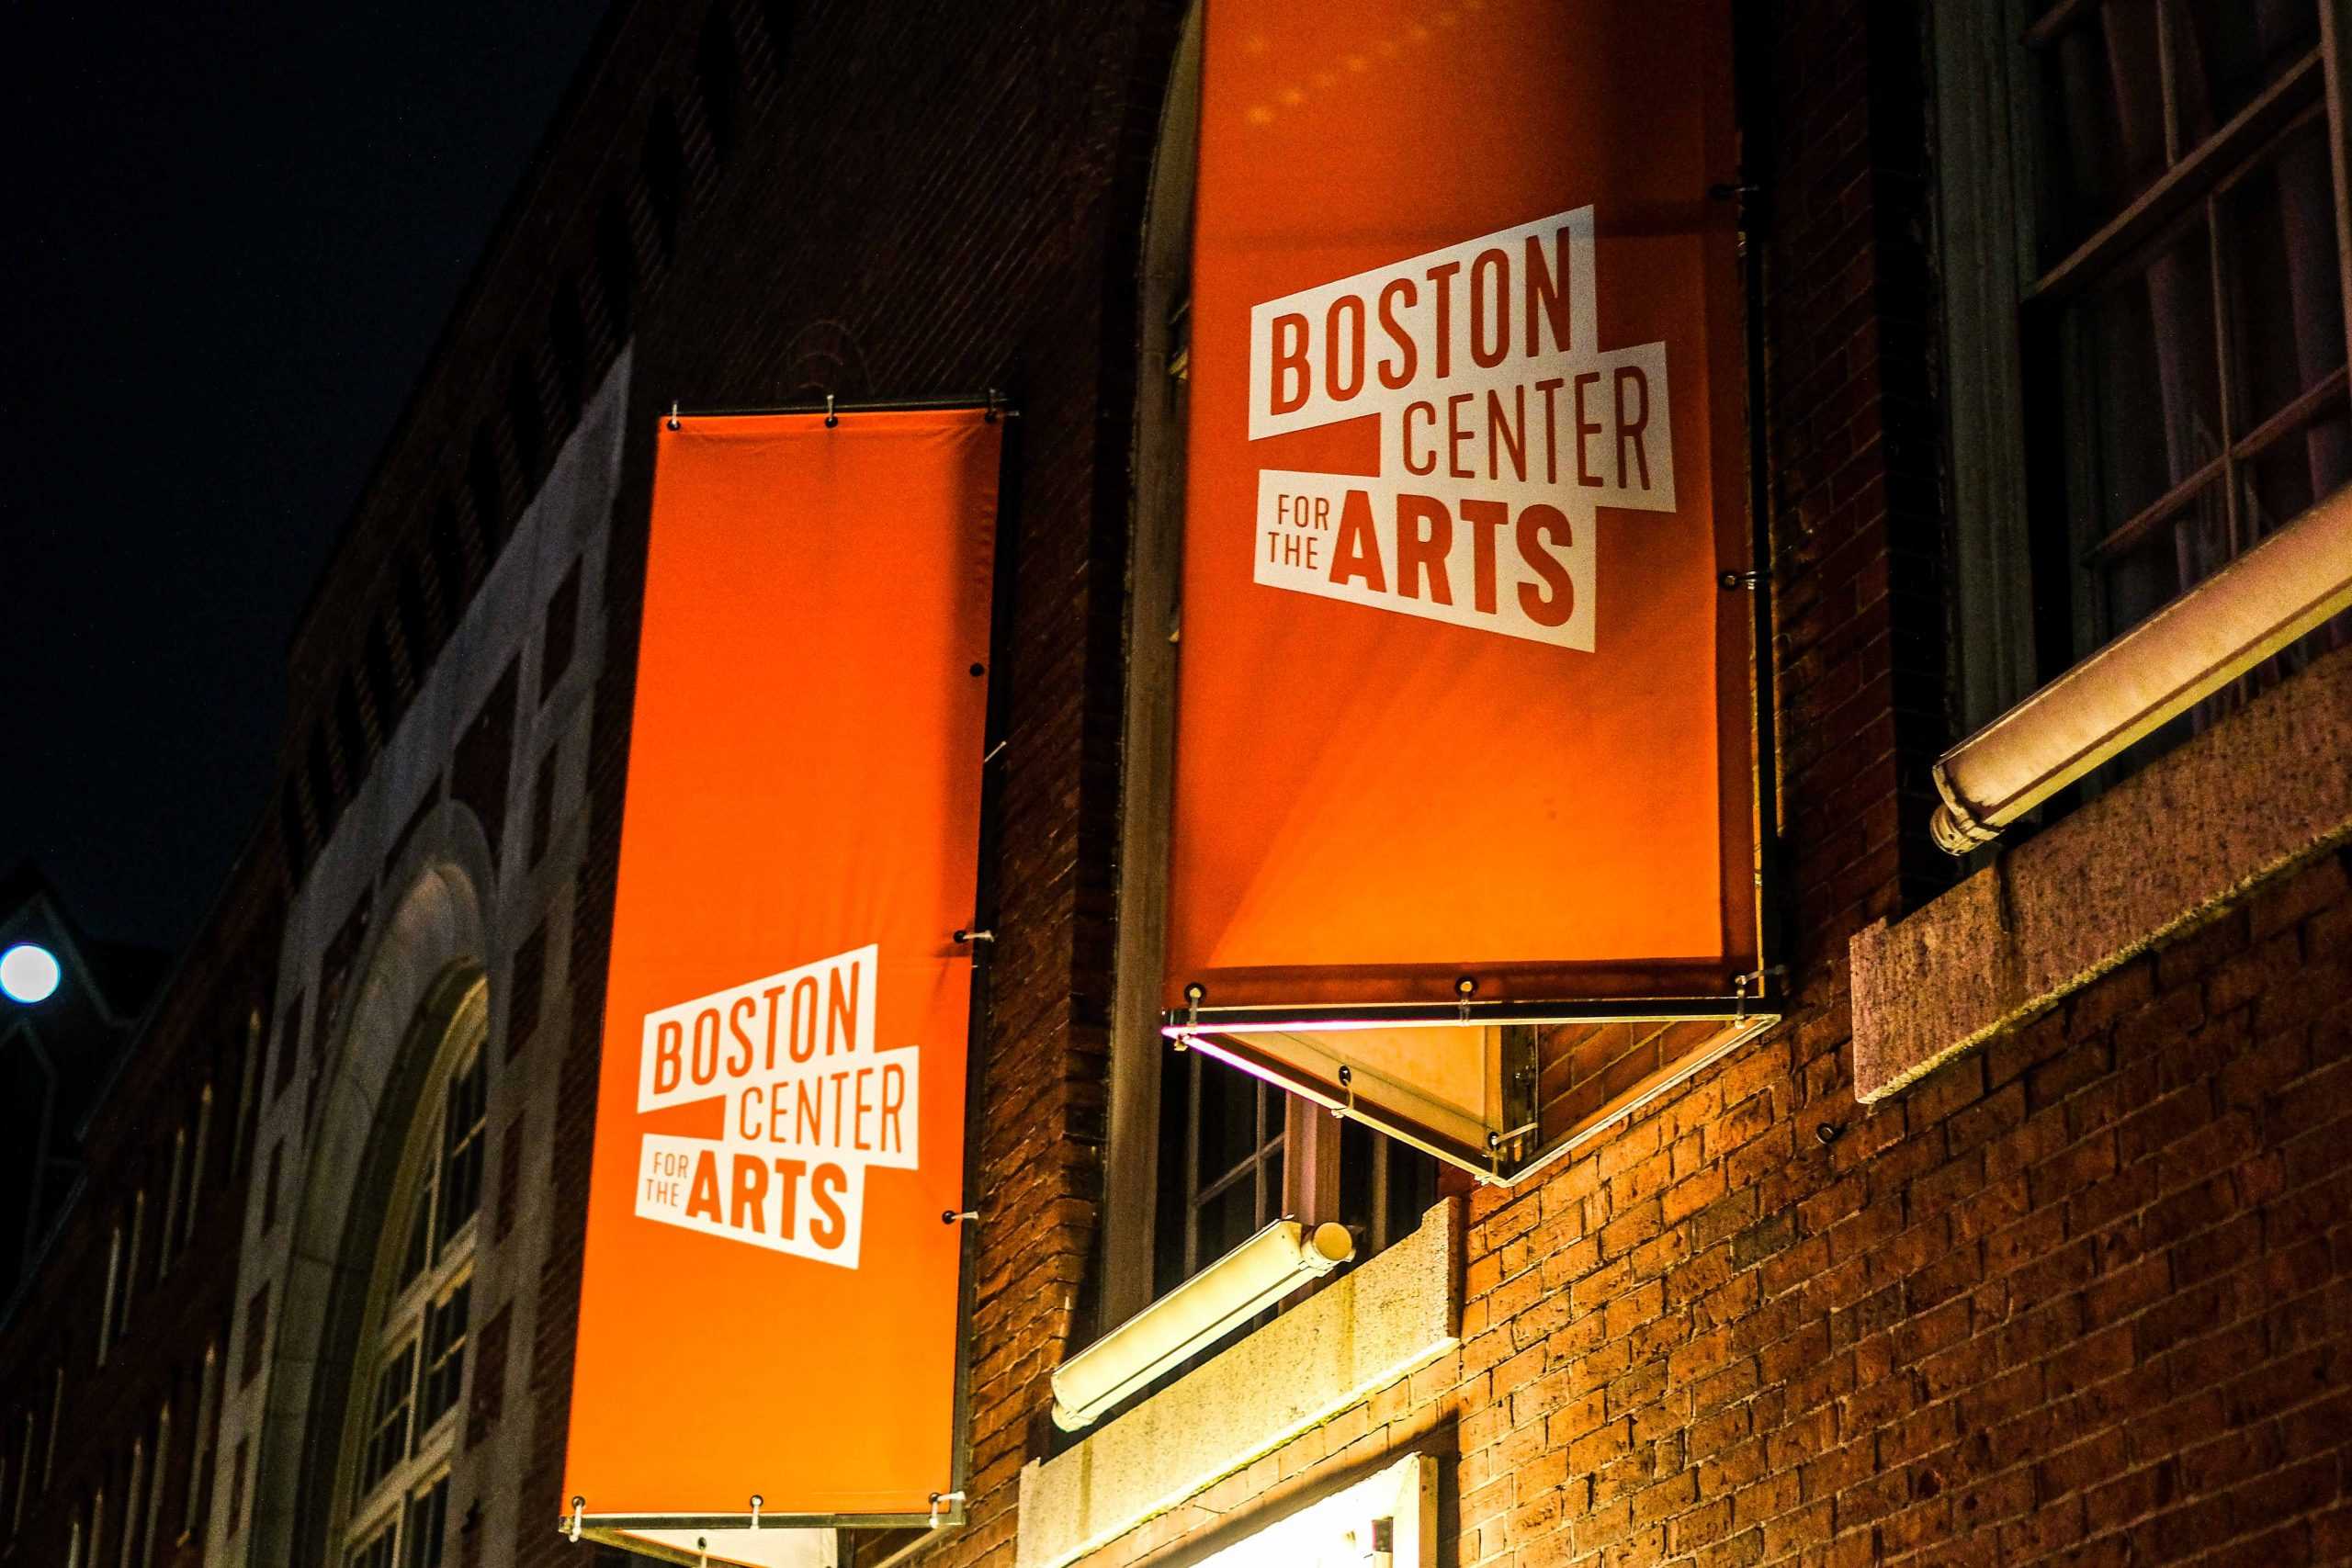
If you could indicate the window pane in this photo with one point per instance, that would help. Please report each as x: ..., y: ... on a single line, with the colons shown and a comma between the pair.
x: 419, y: 1251
x: 2306, y: 465
x: 387, y: 1441
x: 2286, y: 295
x: 462, y: 1129
x: 2103, y: 113
x: 1228, y: 1118
x: 1412, y: 1188
x: 1359, y: 1189
x: 1172, y: 1206
x: 1226, y: 1221
x: 2226, y: 52
x: 2146, y: 382
x: 376, y: 1552
x: 428, y: 1518
x: 445, y: 1353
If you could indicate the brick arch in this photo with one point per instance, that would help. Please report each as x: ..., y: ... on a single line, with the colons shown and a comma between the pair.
x: 425, y: 958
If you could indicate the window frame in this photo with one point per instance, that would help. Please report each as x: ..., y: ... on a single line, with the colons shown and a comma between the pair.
x: 2028, y: 598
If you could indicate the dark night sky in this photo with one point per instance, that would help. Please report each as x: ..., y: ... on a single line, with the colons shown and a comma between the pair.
x: 231, y: 235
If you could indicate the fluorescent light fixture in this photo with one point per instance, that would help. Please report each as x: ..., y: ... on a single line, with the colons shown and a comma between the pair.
x: 29, y: 973
x: 1195, y: 1314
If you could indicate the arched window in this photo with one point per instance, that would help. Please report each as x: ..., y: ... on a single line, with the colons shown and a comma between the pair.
x: 402, y: 1424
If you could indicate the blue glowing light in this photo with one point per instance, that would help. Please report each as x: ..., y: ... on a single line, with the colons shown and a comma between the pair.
x: 28, y: 974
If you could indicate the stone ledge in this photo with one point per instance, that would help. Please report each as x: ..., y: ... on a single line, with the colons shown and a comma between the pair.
x: 2266, y: 788
x: 1375, y: 1325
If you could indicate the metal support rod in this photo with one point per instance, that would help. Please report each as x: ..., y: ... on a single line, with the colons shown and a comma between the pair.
x: 834, y: 404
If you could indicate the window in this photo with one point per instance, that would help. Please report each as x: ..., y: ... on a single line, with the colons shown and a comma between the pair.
x: 256, y: 1335
x: 199, y: 1175
x: 410, y: 1382
x: 1228, y: 1170
x: 237, y: 1487
x: 427, y: 1525
x: 155, y: 1503
x: 114, y: 1280
x: 388, y: 1434
x: 2174, y: 320
x: 376, y: 1552
x: 1221, y: 1137
x: 269, y: 1185
x: 131, y: 1499
x: 445, y: 1353
x: 24, y: 1477
x: 56, y: 1414
x: 208, y: 1411
x: 130, y: 1274
x: 167, y: 1237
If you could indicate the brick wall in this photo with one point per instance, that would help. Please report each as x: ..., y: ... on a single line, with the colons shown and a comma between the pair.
x: 83, y: 1417
x: 2083, y: 1289
x: 2083, y: 1296
x: 987, y: 241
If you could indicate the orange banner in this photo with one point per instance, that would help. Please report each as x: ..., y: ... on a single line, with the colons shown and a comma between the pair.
x: 1460, y: 691
x: 770, y: 1302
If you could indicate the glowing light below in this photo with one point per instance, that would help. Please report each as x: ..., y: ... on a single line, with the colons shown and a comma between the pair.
x: 28, y: 972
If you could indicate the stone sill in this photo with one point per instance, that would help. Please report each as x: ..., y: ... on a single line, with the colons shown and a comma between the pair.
x: 2267, y: 787
x: 1372, y: 1325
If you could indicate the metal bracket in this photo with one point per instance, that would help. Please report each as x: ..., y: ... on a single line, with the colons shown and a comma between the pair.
x: 577, y: 1505
x: 1738, y: 582
x: 755, y: 1510
x: 1519, y: 1086
x: 964, y: 934
x: 1465, y: 988
x: 939, y: 1497
x: 1754, y: 986
x: 949, y: 1217
x: 674, y: 413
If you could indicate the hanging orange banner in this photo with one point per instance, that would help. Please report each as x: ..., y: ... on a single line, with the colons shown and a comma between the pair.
x: 770, y: 1304
x: 1461, y: 693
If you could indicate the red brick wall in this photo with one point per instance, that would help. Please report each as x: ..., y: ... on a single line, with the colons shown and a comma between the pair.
x: 2086, y: 1295
x: 2084, y: 1288
x: 858, y: 244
